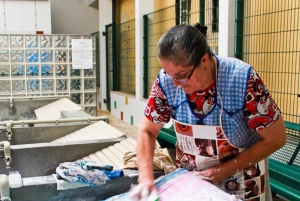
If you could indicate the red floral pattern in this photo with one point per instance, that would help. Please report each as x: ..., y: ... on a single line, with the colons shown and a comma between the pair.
x: 260, y: 109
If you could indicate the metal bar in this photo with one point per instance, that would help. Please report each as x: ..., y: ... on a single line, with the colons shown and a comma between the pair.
x: 239, y: 29
x: 294, y: 155
x: 107, y: 68
x: 57, y: 121
x: 114, y: 52
x: 145, y: 57
x: 177, y: 11
x: 202, y: 12
x: 33, y: 97
x: 215, y: 12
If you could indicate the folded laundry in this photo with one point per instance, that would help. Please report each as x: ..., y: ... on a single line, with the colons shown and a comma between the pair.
x: 89, y: 165
x: 73, y: 172
x: 161, y: 160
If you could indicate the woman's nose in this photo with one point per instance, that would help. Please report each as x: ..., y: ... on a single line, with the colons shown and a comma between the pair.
x: 176, y: 83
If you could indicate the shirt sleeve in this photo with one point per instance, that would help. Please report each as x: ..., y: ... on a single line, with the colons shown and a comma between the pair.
x: 260, y: 109
x: 157, y: 109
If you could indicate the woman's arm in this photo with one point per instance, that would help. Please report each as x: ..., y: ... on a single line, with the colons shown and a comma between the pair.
x: 147, y: 134
x: 272, y: 139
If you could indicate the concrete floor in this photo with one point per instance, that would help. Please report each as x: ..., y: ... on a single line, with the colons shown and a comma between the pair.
x: 131, y: 131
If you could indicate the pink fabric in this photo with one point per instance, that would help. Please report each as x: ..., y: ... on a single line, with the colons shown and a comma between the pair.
x: 192, y: 187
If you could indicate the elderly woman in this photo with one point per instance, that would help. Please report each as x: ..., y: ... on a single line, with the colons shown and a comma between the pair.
x: 199, y: 90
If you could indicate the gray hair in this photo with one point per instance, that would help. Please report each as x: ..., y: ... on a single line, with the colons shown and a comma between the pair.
x: 183, y: 45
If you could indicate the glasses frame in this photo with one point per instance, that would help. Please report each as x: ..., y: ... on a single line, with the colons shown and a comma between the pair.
x: 184, y: 80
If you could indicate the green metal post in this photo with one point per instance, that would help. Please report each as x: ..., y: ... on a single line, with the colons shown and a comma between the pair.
x: 145, y: 56
x: 215, y: 24
x: 239, y: 29
x: 202, y: 12
x: 107, y: 67
x: 177, y: 12
x: 115, y: 60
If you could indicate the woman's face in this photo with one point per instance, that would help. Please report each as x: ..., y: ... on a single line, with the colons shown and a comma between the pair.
x: 198, y: 76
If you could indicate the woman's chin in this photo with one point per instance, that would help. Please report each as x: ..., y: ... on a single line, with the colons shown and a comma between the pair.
x: 188, y: 89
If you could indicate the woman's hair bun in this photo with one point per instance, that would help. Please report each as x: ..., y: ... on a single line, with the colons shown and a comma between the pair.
x: 202, y: 29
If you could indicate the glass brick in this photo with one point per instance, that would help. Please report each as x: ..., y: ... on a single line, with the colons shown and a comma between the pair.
x: 89, y: 84
x: 47, y: 85
x: 73, y: 37
x: 16, y: 41
x: 18, y: 86
x: 31, y: 41
x: 4, y: 55
x: 93, y: 40
x: 4, y: 86
x: 33, y: 86
x: 61, y: 70
x: 63, y: 94
x: 76, y: 98
x: 89, y: 72
x: 17, y: 55
x: 60, y: 41
x: 4, y: 71
x: 75, y: 84
x: 46, y: 55
x: 62, y: 85
x: 32, y: 55
x: 74, y: 72
x: 61, y: 56
x: 89, y: 98
x: 34, y: 94
x: 47, y: 71
x: 17, y: 70
x: 46, y: 41
x: 91, y: 111
x: 94, y: 56
x: 18, y: 95
x: 48, y: 94
x: 3, y: 41
x: 32, y: 70
x: 70, y: 56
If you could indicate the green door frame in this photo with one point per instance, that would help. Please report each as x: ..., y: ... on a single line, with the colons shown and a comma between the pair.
x: 239, y: 29
x: 108, y: 71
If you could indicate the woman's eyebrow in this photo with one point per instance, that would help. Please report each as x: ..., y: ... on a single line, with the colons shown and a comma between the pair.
x: 176, y: 74
x: 181, y: 72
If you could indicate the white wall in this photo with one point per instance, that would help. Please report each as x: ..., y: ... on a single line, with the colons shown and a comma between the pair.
x: 226, y: 28
x: 25, y: 17
x: 134, y: 108
x: 74, y: 17
x: 105, y: 18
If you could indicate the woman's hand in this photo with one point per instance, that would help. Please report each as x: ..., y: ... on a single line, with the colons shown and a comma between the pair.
x: 214, y: 175
x: 143, y: 191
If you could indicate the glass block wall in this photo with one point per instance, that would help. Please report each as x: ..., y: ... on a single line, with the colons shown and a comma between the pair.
x: 41, y: 65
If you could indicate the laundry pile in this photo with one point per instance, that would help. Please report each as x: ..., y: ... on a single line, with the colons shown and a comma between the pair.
x: 91, y: 173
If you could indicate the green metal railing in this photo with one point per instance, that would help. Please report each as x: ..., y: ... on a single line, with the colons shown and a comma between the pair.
x: 110, y: 61
x: 158, y: 22
x: 267, y: 37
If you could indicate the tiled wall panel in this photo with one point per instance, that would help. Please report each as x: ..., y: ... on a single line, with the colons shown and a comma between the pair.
x: 41, y: 65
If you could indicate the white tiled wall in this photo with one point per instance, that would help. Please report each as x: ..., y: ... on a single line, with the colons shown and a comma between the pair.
x: 41, y: 65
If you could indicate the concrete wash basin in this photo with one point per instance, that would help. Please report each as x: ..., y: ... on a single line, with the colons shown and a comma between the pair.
x: 36, y: 150
x: 43, y: 158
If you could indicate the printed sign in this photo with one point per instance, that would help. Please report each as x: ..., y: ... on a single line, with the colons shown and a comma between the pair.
x: 82, y: 54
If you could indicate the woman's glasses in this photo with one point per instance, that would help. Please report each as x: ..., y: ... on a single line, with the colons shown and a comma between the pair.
x: 183, y: 80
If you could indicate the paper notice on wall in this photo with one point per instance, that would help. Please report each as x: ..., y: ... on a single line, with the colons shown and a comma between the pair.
x: 82, y: 54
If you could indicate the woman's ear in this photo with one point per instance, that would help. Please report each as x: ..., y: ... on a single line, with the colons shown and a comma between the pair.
x: 205, y: 59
